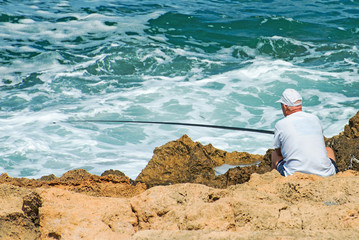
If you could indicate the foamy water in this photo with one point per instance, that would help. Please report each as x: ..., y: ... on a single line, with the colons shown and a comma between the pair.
x: 208, y: 63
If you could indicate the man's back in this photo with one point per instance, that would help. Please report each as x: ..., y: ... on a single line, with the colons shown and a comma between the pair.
x: 299, y: 136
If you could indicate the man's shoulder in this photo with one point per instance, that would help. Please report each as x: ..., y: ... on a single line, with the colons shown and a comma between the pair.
x: 282, y: 122
x: 309, y: 115
x: 294, y: 117
x: 301, y: 114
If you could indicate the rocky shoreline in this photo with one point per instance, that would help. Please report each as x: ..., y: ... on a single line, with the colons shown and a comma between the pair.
x: 179, y: 196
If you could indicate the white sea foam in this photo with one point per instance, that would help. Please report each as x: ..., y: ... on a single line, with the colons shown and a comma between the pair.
x: 194, y: 86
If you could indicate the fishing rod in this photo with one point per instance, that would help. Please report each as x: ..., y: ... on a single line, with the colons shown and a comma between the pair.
x: 177, y: 123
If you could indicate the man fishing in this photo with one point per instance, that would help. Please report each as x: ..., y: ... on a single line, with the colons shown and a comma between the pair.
x: 298, y: 141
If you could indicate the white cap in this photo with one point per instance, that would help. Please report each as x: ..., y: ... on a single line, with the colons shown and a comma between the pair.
x: 291, y: 98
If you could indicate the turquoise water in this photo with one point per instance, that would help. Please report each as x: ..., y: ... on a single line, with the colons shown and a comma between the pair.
x: 207, y: 62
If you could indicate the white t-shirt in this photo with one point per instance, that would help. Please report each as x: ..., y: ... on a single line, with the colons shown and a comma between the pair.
x: 300, y: 138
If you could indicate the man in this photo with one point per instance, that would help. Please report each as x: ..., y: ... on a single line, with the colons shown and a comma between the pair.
x: 298, y: 141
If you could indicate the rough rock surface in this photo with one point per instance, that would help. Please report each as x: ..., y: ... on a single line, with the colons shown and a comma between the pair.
x: 268, y: 206
x: 345, y: 145
x: 297, y: 207
x: 70, y: 215
x: 19, y: 213
x: 21, y: 200
x: 185, y: 161
x: 110, y: 184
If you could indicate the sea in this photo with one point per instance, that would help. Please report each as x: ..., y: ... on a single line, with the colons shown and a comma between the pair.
x: 215, y: 62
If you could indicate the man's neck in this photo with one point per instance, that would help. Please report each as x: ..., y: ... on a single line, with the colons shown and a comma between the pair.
x: 290, y: 110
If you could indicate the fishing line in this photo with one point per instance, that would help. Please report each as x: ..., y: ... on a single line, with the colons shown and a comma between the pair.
x: 177, y: 123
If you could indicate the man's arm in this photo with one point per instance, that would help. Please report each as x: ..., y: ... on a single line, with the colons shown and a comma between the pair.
x: 276, y: 157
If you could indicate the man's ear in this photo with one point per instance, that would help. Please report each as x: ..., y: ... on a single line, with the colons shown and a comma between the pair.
x: 284, y: 109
